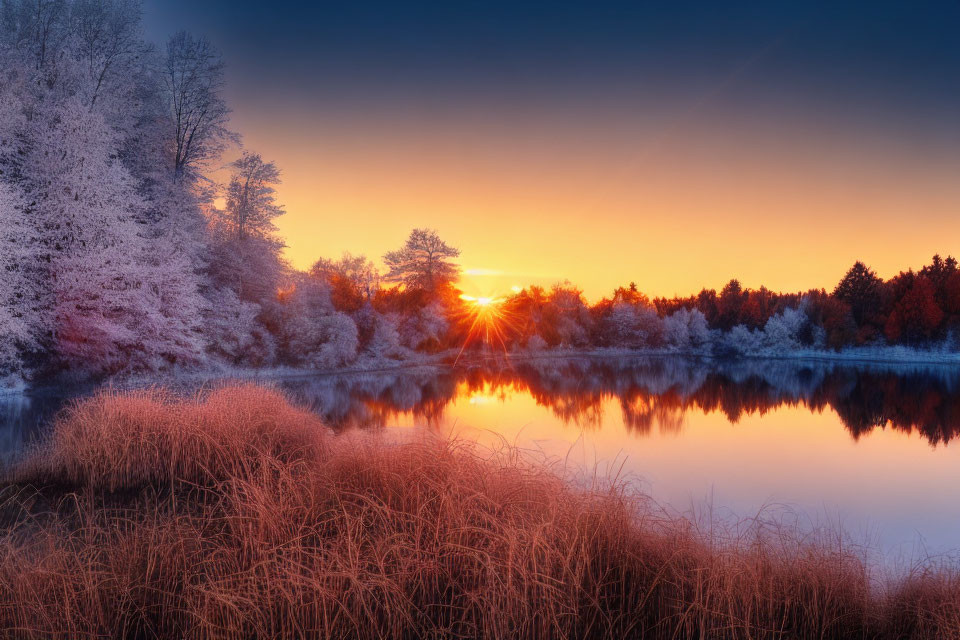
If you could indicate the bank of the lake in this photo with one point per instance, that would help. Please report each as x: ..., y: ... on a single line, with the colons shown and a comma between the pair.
x: 883, y: 354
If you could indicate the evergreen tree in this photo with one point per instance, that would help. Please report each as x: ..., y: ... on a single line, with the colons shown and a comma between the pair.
x: 861, y: 289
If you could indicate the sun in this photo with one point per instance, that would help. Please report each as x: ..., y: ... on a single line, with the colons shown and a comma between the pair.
x: 482, y: 301
x: 487, y: 321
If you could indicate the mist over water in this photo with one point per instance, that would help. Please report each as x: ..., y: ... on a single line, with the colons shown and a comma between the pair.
x: 869, y: 447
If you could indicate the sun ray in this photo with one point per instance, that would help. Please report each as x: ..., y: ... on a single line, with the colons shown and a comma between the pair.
x: 488, y: 322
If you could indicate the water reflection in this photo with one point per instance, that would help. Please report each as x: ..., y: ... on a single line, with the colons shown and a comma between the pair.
x: 650, y: 392
x: 654, y: 392
x: 738, y: 436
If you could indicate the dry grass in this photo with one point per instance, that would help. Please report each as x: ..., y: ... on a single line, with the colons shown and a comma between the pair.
x: 237, y: 515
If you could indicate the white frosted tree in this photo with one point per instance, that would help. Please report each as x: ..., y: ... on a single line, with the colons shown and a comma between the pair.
x: 315, y: 334
x: 424, y: 262
x: 111, y: 254
x: 245, y: 257
x: 251, y: 197
x: 106, y: 40
x: 743, y: 341
x: 170, y: 329
x: 385, y: 339
x: 620, y: 326
x: 536, y: 343
x: 649, y: 326
x: 246, y: 251
x: 699, y: 329
x: 38, y: 31
x: 120, y: 300
x: 423, y: 328
x: 686, y: 329
x: 337, y: 336
x: 233, y: 332
x: 782, y: 332
x: 193, y: 83
x: 15, y: 324
x: 633, y: 326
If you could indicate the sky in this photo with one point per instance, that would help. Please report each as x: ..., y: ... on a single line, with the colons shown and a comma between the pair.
x: 673, y: 144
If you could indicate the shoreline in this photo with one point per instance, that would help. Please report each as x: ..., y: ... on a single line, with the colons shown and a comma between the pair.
x: 892, y: 356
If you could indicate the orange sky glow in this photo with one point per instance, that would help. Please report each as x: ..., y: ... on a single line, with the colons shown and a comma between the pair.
x: 674, y: 203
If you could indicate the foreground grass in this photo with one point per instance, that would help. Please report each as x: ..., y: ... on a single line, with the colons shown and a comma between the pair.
x: 237, y: 515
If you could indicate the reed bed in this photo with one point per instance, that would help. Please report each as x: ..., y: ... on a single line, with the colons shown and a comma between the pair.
x: 236, y: 514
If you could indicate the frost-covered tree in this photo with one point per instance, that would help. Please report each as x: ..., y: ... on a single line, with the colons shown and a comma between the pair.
x: 686, y: 329
x: 193, y: 87
x: 648, y: 327
x: 620, y: 330
x: 108, y: 42
x: 336, y: 335
x: 424, y: 328
x: 314, y: 333
x: 536, y: 343
x: 251, y: 197
x: 15, y: 324
x: 633, y: 326
x: 784, y: 331
x: 743, y: 341
x: 385, y: 338
x: 111, y: 259
x: 117, y: 302
x: 89, y: 49
x: 38, y: 31
x: 424, y: 262
x: 234, y: 332
x: 246, y: 252
x: 249, y: 273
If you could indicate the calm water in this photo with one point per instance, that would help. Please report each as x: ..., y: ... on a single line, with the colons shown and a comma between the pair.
x: 873, y: 447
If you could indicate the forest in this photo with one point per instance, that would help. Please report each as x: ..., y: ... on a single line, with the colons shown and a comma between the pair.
x: 124, y: 251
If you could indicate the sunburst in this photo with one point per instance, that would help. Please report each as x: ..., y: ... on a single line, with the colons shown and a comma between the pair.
x: 489, y: 321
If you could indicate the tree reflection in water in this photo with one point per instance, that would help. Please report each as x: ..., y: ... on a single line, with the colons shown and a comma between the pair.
x: 651, y: 392
x: 655, y: 392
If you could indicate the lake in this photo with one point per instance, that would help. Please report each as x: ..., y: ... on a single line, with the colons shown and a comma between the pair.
x: 872, y: 447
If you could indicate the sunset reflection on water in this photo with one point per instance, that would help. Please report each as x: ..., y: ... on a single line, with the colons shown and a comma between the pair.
x: 869, y: 448
x: 872, y: 447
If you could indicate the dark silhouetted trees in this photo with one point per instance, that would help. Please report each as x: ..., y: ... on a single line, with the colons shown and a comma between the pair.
x: 862, y: 291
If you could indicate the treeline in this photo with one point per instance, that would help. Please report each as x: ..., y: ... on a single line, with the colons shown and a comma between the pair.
x: 120, y: 252
x: 913, y: 308
x: 917, y: 309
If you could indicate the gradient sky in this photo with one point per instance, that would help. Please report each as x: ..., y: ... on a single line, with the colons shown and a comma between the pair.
x: 675, y: 144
